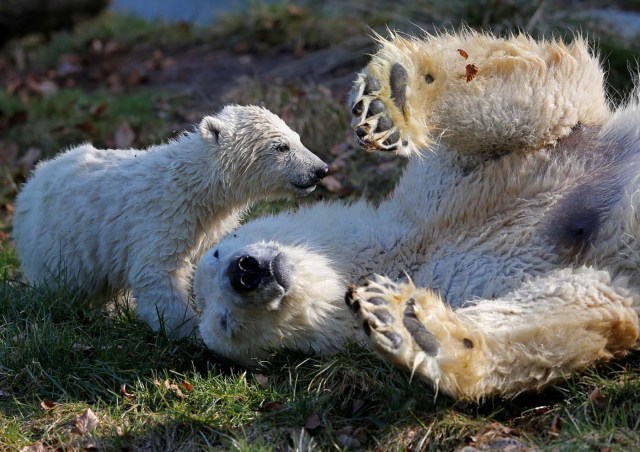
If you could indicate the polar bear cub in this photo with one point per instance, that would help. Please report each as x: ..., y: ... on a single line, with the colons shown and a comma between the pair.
x: 106, y: 219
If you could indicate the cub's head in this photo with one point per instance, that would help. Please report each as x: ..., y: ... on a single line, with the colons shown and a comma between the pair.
x: 259, y: 154
x: 475, y: 93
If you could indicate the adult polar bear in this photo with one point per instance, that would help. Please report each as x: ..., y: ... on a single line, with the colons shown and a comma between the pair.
x: 527, y: 244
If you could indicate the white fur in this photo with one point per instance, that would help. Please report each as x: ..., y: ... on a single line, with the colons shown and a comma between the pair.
x: 136, y: 219
x: 492, y: 241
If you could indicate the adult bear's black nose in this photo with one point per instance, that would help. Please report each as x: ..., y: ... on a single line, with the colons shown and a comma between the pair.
x: 248, y: 273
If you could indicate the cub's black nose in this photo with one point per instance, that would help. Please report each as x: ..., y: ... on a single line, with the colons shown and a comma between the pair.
x: 248, y: 273
x: 321, y: 173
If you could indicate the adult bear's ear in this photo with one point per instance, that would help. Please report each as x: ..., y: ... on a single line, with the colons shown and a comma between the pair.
x: 210, y: 128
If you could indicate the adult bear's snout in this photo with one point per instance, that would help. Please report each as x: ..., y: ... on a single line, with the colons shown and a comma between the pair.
x: 260, y: 271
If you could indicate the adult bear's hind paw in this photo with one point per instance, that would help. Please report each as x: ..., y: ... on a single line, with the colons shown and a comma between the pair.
x: 414, y: 329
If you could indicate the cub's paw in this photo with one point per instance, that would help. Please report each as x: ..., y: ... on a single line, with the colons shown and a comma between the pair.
x: 374, y: 102
x: 414, y: 329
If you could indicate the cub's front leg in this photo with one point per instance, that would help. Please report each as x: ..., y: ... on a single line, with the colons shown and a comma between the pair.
x: 162, y: 301
x: 530, y: 337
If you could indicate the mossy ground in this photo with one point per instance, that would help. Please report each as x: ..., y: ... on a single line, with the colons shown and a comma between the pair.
x: 61, y: 353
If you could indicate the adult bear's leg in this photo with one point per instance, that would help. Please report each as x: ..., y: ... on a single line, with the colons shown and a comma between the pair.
x: 522, y: 341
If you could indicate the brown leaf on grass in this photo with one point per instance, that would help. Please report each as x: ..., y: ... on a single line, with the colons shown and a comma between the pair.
x: 334, y: 185
x: 124, y: 136
x: 312, y: 422
x: 13, y: 85
x: 98, y: 110
x: 463, y: 54
x: 136, y: 77
x: 186, y: 386
x: 597, y: 398
x: 32, y: 84
x: 48, y: 404
x: 86, y: 422
x: 126, y: 395
x: 554, y: 430
x: 174, y: 388
x: 269, y: 406
x: 472, y: 70
x: 35, y: 447
x: 262, y: 380
x: 86, y: 126
x: 29, y: 159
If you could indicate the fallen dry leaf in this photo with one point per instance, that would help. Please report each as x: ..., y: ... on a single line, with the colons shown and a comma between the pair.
x: 98, y: 110
x: 127, y: 395
x: 86, y: 422
x: 333, y: 184
x: 463, y: 54
x: 312, y: 422
x: 124, y: 136
x: 48, y: 88
x: 47, y: 404
x: 135, y: 77
x: 262, y: 380
x: 35, y: 447
x: 29, y: 159
x: 554, y: 430
x: 186, y: 386
x: 597, y: 398
x: 174, y: 388
x: 269, y: 406
x: 86, y: 126
x: 472, y: 70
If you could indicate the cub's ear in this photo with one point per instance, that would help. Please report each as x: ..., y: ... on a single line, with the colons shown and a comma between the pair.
x: 210, y: 128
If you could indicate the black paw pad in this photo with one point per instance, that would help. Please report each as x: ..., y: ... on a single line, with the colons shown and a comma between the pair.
x: 357, y: 109
x: 366, y: 327
x: 393, y: 138
x: 423, y: 337
x: 394, y: 338
x: 383, y: 316
x: 384, y: 124
x: 398, y: 81
x: 372, y: 85
x: 376, y: 106
x: 349, y: 299
x: 361, y: 132
x: 378, y: 301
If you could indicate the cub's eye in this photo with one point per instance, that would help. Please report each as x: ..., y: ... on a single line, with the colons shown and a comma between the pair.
x: 282, y: 147
x: 428, y: 78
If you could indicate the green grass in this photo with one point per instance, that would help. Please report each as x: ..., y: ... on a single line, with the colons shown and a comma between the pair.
x: 73, y: 116
x: 57, y: 346
x: 285, y: 27
x: 40, y: 52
